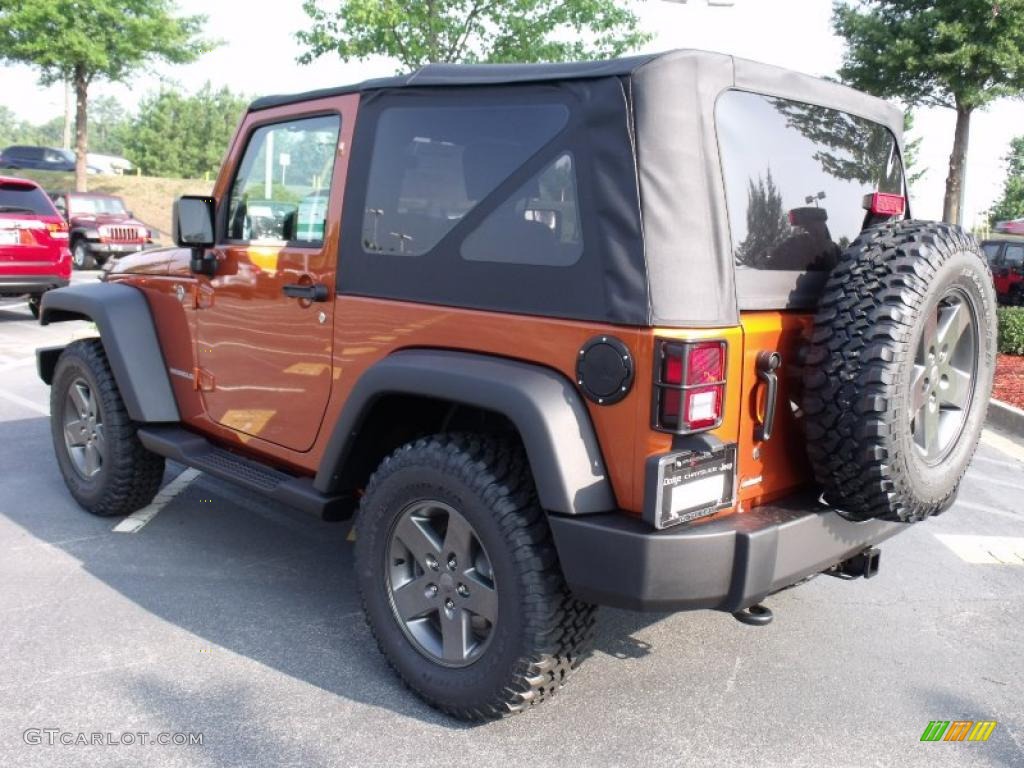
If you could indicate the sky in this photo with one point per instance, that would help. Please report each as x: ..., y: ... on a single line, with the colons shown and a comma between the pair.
x: 259, y: 51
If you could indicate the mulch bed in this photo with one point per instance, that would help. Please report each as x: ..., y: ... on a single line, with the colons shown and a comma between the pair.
x: 1009, y: 385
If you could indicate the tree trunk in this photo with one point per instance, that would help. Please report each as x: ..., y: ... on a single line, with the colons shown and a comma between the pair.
x: 81, y: 84
x: 951, y: 212
x: 67, y: 115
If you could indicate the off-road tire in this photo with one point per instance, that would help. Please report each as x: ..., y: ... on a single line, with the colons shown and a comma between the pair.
x: 542, y: 632
x: 130, y: 475
x: 81, y: 258
x: 856, y: 380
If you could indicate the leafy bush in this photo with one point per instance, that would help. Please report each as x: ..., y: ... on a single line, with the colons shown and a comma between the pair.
x: 1011, y: 330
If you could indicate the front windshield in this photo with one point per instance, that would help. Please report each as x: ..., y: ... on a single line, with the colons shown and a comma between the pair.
x: 94, y: 205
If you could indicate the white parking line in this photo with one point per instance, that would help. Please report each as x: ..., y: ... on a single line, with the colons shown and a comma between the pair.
x: 24, y: 402
x: 999, y: 462
x: 982, y: 508
x: 135, y: 521
x: 1004, y: 444
x: 985, y: 550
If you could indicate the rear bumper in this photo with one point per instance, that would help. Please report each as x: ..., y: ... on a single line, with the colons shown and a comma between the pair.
x: 17, y: 285
x: 725, y: 564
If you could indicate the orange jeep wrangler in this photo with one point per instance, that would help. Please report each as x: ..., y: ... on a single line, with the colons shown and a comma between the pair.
x: 656, y: 333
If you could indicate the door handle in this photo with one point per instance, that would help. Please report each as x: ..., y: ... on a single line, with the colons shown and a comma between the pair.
x: 307, y: 291
x: 767, y: 364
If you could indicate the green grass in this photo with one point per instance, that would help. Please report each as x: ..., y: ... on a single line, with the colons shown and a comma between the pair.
x: 148, y: 197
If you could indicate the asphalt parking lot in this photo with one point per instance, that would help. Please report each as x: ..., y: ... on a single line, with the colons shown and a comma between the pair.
x: 232, y: 617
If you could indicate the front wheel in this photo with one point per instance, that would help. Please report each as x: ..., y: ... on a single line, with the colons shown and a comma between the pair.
x: 81, y: 257
x: 105, y: 467
x: 460, y: 580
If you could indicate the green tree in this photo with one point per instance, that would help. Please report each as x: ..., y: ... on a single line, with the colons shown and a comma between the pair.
x: 911, y: 149
x: 184, y: 136
x: 82, y: 41
x: 958, y: 54
x: 1011, y: 204
x: 109, y: 125
x: 767, y: 222
x: 418, y: 32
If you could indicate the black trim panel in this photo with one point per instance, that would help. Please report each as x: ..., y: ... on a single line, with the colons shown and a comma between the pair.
x: 193, y: 450
x: 544, y: 406
x: 725, y: 564
x: 129, y: 338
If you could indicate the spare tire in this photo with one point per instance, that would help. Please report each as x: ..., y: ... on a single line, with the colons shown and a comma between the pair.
x: 899, y: 370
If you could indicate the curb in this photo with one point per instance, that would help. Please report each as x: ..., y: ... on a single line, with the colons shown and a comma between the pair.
x: 1005, y: 417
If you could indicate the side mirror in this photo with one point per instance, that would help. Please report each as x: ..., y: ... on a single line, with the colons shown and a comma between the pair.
x: 192, y: 227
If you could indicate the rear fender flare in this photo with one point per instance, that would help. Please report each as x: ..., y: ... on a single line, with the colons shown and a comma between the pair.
x: 547, y: 411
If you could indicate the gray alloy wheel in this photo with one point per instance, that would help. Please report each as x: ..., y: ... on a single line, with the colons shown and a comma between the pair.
x: 83, y: 429
x: 944, y: 376
x: 440, y: 584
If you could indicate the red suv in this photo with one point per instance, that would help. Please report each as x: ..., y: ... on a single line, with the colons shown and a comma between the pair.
x: 34, y: 254
x: 100, y: 226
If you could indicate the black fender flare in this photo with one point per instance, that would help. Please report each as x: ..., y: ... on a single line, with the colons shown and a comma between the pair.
x: 126, y: 329
x: 548, y: 412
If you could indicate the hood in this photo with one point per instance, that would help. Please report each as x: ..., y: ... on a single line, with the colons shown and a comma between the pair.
x: 99, y: 219
x: 157, y: 261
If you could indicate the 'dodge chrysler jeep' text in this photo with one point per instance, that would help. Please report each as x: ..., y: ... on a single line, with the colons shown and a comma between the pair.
x: 656, y: 333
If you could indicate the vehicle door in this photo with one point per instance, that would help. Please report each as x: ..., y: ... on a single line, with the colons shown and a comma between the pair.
x: 265, y: 319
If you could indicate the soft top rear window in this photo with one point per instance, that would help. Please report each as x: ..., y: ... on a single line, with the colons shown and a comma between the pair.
x: 23, y: 198
x: 795, y: 178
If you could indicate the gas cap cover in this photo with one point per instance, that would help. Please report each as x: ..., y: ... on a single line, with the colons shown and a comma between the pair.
x: 604, y: 370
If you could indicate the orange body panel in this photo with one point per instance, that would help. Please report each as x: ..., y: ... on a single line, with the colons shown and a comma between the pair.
x: 770, y: 469
x: 365, y: 330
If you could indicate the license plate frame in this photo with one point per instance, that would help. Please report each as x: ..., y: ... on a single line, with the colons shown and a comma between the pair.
x: 692, y: 485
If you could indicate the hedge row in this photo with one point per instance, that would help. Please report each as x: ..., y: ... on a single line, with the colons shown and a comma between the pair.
x: 1011, y: 330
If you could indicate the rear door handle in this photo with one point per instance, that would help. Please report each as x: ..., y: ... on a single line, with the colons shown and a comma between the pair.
x: 308, y: 291
x: 767, y: 364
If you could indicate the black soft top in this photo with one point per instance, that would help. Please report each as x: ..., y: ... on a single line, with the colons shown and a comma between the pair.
x: 668, y: 182
x: 434, y: 75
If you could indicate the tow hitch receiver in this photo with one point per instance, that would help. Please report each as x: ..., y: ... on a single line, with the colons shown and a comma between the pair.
x: 862, y: 564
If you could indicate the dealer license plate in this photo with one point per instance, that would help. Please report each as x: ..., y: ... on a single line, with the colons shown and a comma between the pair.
x: 694, y: 485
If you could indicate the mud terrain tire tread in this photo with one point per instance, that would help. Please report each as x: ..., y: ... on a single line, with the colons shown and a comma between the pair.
x: 556, y: 630
x: 853, y: 389
x: 131, y: 475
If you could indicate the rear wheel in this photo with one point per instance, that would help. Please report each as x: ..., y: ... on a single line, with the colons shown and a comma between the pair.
x: 105, y: 467
x: 460, y: 580
x: 899, y: 373
x: 81, y: 257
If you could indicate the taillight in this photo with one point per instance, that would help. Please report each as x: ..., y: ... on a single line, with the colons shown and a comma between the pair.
x: 58, y: 231
x: 885, y: 204
x: 689, y: 386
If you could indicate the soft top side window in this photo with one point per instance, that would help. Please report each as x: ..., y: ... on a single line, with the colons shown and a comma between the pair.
x: 432, y: 164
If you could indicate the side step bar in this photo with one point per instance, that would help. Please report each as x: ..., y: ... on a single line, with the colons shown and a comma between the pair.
x: 188, y: 448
